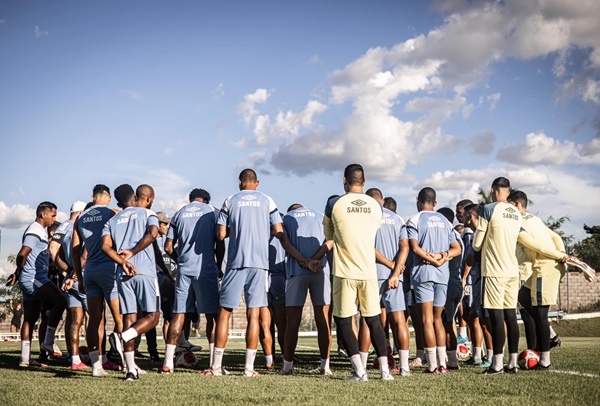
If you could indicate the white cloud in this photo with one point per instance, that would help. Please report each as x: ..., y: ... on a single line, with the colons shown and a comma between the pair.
x: 39, y: 33
x: 218, y: 92
x: 247, y: 108
x: 170, y: 206
x: 494, y: 98
x: 15, y: 216
x: 591, y: 91
x: 482, y: 144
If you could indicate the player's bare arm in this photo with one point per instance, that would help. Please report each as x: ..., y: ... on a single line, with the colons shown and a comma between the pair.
x: 21, y: 259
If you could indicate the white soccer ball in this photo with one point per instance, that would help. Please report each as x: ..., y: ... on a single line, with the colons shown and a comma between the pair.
x: 186, y: 359
x: 463, y: 351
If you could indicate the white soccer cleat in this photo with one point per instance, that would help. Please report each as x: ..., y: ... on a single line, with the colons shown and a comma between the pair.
x: 99, y: 372
x: 250, y: 374
x: 386, y: 376
x: 326, y: 372
x: 356, y: 378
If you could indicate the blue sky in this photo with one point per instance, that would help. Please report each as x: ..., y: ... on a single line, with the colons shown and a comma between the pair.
x: 449, y: 94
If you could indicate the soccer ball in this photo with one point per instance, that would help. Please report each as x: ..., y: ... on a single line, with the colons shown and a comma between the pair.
x: 186, y: 359
x: 528, y: 359
x: 84, y: 354
x: 463, y: 352
x: 391, y: 361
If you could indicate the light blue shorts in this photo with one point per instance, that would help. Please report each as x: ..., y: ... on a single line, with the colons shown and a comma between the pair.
x: 75, y: 298
x: 453, y: 299
x: 185, y: 294
x: 253, y: 282
x: 276, y: 289
x: 101, y: 283
x: 393, y: 299
x: 426, y: 292
x: 138, y: 291
x: 31, y: 286
x: 207, y: 301
x: 318, y: 284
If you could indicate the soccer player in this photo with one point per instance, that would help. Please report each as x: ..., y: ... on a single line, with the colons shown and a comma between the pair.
x: 433, y: 242
x: 391, y: 244
x: 99, y: 282
x: 351, y: 222
x: 454, y: 294
x: 467, y: 300
x: 32, y: 274
x: 277, y: 282
x: 496, y: 239
x: 165, y: 278
x: 129, y: 236
x: 192, y: 240
x: 547, y: 267
x: 304, y: 229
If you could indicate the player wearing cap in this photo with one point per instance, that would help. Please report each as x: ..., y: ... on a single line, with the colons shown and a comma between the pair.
x: 32, y: 274
x: 496, y: 239
x: 304, y: 230
x: 546, y: 261
x: 192, y: 240
x: 433, y: 242
x: 127, y: 239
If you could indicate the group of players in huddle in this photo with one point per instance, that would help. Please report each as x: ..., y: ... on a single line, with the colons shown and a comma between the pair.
x: 358, y: 257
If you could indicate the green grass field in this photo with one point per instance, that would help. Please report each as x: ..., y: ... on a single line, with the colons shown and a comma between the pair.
x: 574, y: 381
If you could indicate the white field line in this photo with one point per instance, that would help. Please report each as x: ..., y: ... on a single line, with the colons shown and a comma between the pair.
x: 558, y: 371
x: 308, y: 348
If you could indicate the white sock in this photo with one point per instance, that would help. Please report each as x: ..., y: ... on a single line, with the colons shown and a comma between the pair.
x: 431, y: 357
x: 287, y: 366
x: 129, y: 334
x: 512, y: 359
x: 49, y: 339
x: 25, y: 351
x: 217, y: 358
x: 364, y: 358
x: 545, y: 358
x: 104, y: 358
x: 477, y: 353
x: 498, y: 362
x: 211, y: 350
x: 441, y: 354
x: 463, y: 332
x: 420, y: 354
x: 324, y: 364
x: 357, y: 364
x: 75, y: 359
x: 452, y: 360
x: 404, y: 360
x: 269, y: 360
x: 383, y: 365
x: 130, y: 362
x: 250, y: 356
x: 169, y: 354
x: 490, y: 354
x: 552, y: 332
x: 95, y: 360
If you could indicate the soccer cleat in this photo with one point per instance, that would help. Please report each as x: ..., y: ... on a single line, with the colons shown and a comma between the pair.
x: 434, y: 372
x: 111, y: 366
x: 211, y: 372
x: 79, y: 367
x: 417, y: 362
x: 269, y: 367
x: 155, y: 358
x: 116, y: 342
x: 486, y: 364
x: 284, y: 372
x: 166, y: 370
x: 319, y: 371
x: 356, y: 378
x: 492, y: 371
x: 405, y: 373
x: 99, y: 372
x: 555, y: 342
x: 187, y: 346
x: 540, y: 367
x: 131, y: 376
x: 511, y: 371
x: 250, y: 374
x: 140, y: 371
x: 342, y: 353
x: 473, y: 361
x: 52, y: 350
x: 32, y: 364
x: 442, y: 369
x: 386, y: 376
x: 224, y: 371
x: 462, y: 340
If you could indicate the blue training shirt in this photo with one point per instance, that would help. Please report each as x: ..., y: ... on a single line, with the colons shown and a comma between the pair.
x: 249, y: 215
x: 90, y: 225
x: 276, y: 257
x: 193, y: 229
x: 304, y: 228
x: 455, y: 265
x: 434, y: 234
x: 127, y: 228
x: 387, y: 241
x: 66, y: 243
x: 38, y: 260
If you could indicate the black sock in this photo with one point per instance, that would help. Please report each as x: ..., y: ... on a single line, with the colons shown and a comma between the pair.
x: 377, y: 335
x: 540, y: 314
x: 497, y: 321
x: 512, y: 328
x: 344, y: 327
x: 527, y: 317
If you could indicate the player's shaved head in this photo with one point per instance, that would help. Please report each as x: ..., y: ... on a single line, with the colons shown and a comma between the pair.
x: 248, y: 175
x: 390, y: 204
x: 144, y: 191
x: 375, y: 194
x: 294, y: 207
x: 125, y: 196
x: 199, y: 194
x: 500, y: 189
x: 427, y: 195
x: 354, y: 175
x: 448, y: 213
x: 517, y: 196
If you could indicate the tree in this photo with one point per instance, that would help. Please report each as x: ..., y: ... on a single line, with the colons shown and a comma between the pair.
x: 588, y: 249
x: 13, y: 292
x: 555, y: 225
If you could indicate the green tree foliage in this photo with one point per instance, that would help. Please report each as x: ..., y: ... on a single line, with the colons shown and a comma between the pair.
x: 588, y: 249
x: 13, y: 292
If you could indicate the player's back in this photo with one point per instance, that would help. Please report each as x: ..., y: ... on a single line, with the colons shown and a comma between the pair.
x: 90, y: 225
x: 304, y: 228
x: 194, y: 228
x: 392, y: 230
x: 66, y: 243
x: 542, y: 234
x: 502, y: 223
x: 276, y: 257
x: 127, y: 228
